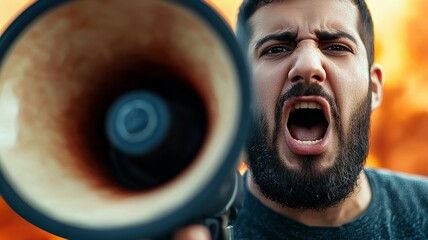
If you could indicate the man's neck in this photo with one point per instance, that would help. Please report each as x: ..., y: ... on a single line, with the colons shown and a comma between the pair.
x: 345, y: 212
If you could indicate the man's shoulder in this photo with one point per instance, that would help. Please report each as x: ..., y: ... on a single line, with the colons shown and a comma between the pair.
x: 399, y: 185
x: 387, y: 176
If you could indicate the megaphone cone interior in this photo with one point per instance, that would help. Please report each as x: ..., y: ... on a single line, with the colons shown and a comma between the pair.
x: 62, y: 73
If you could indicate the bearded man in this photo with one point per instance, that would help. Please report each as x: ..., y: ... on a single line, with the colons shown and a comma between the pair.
x: 316, y: 85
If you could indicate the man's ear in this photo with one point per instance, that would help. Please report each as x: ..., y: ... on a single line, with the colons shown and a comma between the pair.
x: 376, y: 80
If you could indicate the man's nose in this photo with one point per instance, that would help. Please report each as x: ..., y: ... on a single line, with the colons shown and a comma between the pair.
x: 307, y: 65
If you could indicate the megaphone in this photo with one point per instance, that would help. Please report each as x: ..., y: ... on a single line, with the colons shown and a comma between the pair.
x: 121, y: 119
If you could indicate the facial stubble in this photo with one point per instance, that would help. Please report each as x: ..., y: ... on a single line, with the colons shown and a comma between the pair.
x: 308, y: 188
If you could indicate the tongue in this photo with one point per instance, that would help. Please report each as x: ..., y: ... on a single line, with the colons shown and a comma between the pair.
x: 312, y: 133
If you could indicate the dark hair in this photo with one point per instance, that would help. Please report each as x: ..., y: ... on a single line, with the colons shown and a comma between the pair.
x: 249, y: 7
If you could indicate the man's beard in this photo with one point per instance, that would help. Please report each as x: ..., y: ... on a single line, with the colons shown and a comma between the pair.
x: 309, y: 188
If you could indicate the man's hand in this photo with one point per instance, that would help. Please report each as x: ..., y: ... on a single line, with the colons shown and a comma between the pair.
x: 193, y: 232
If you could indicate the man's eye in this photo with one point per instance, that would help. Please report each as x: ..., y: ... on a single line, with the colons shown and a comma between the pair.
x: 275, y: 50
x: 338, y: 48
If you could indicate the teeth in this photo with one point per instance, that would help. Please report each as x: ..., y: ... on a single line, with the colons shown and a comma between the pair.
x: 308, y: 142
x: 306, y: 105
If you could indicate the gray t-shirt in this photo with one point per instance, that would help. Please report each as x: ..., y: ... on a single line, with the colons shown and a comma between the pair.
x: 398, y: 210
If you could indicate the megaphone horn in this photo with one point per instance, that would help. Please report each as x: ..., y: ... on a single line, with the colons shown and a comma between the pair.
x: 120, y: 119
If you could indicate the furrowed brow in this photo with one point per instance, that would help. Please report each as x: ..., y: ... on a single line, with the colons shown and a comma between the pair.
x: 328, y: 36
x: 282, y: 36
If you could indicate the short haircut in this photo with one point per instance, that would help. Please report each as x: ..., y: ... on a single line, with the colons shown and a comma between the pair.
x: 249, y: 7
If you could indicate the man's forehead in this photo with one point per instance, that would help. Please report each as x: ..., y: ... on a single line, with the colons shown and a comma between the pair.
x: 305, y: 17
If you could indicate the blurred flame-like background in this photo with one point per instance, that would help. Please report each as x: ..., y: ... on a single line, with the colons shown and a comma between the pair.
x: 399, y: 133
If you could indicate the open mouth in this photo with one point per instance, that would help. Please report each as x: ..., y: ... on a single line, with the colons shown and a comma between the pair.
x: 307, y: 125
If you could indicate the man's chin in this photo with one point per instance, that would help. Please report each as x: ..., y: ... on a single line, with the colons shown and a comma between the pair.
x: 313, y: 182
x: 308, y: 168
x: 315, y: 165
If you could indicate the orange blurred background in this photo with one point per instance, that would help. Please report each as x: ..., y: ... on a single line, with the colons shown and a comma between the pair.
x: 399, y: 134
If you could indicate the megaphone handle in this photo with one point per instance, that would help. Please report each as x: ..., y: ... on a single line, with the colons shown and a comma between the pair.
x: 220, y: 228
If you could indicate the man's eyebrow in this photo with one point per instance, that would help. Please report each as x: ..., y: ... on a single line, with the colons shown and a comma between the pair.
x: 337, y: 34
x: 282, y: 36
